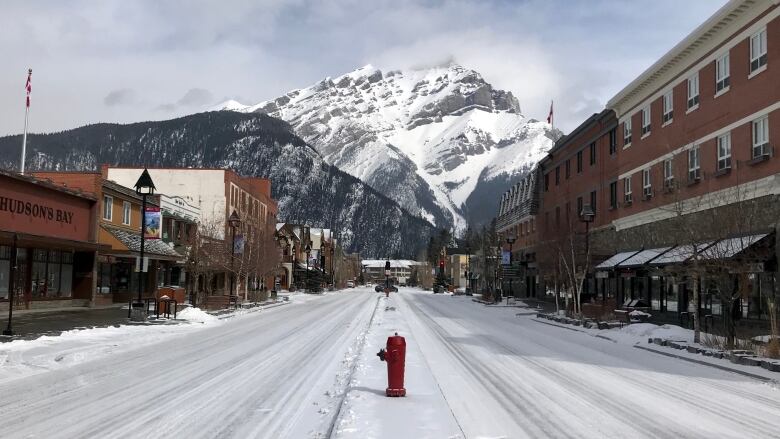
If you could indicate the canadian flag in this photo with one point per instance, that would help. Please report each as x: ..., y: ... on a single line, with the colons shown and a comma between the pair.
x: 28, y: 86
x: 550, y: 116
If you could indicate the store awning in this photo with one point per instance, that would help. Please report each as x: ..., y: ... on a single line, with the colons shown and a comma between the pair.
x: 728, y: 248
x: 643, y: 257
x: 48, y: 242
x: 615, y: 260
x: 681, y: 253
x: 153, y: 248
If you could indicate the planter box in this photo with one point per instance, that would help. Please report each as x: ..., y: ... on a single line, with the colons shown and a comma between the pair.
x: 773, y: 366
x: 750, y: 361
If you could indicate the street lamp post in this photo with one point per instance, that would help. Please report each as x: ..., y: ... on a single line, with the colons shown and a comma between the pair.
x: 143, y: 187
x: 332, y: 268
x: 11, y: 289
x: 587, y: 215
x: 235, y: 222
x: 510, y: 240
x: 308, y: 253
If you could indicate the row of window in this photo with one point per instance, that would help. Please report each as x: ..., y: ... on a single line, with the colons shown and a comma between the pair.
x: 108, y: 210
x: 760, y: 150
x: 758, y: 61
x: 51, y: 274
x: 242, y: 199
x: 579, y: 157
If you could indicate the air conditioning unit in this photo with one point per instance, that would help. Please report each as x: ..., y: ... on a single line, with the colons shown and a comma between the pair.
x: 648, y: 193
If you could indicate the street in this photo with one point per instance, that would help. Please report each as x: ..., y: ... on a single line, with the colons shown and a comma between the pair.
x: 481, y: 372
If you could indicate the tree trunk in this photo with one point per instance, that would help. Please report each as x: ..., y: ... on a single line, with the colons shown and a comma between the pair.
x: 696, y: 320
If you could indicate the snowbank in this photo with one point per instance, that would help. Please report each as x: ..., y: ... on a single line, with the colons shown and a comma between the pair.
x: 196, y: 315
x: 21, y: 358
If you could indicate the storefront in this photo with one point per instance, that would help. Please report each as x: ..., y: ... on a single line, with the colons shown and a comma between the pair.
x: 49, y: 232
x: 733, y: 277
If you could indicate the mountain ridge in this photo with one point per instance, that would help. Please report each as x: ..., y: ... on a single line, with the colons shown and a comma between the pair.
x: 307, y: 188
x: 427, y: 138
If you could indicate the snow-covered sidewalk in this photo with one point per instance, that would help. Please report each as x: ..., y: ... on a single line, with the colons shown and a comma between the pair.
x: 21, y: 358
x: 368, y: 413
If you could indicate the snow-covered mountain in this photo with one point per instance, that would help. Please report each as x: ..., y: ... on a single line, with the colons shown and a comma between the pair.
x: 308, y: 189
x: 442, y: 142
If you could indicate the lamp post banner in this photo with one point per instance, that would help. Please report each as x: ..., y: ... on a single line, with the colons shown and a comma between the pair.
x: 505, y: 258
x: 152, y: 221
x: 238, y: 246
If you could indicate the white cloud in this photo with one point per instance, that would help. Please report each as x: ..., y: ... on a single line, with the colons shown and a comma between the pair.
x: 125, y: 61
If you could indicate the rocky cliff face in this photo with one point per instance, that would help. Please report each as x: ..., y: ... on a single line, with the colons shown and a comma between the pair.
x: 429, y: 139
x: 308, y: 189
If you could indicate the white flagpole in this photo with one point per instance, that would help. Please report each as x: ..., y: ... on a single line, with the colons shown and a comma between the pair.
x: 26, y: 116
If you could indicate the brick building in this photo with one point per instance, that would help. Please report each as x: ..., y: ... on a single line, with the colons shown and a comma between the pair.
x: 48, y: 234
x: 680, y: 172
x: 518, y: 220
x: 218, y: 193
x: 118, y: 227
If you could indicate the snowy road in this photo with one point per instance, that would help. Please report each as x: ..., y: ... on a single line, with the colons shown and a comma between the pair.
x: 509, y: 376
x: 473, y: 371
x: 270, y: 374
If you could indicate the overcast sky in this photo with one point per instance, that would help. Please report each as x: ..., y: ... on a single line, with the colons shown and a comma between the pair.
x: 127, y: 61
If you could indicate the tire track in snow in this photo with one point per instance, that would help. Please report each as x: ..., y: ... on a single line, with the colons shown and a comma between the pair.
x: 751, y: 417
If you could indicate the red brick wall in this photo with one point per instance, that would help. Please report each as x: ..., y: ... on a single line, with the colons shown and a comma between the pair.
x: 579, y: 184
x: 745, y: 97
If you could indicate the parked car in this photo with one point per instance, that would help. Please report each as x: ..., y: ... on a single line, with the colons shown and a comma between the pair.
x: 379, y: 288
x: 350, y: 284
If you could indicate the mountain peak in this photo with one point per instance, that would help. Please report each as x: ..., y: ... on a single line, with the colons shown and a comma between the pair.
x: 427, y: 137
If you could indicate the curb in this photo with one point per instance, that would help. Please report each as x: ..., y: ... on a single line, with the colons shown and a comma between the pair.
x: 705, y: 363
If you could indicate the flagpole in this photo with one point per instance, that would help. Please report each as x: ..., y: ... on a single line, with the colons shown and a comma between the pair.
x: 26, y: 117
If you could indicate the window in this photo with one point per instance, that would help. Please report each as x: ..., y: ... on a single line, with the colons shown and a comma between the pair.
x: 668, y: 106
x: 646, y: 121
x: 126, y: 213
x: 761, y: 137
x: 579, y: 161
x: 546, y: 182
x: 694, y: 170
x: 557, y: 175
x: 568, y: 169
x: 627, y: 189
x: 627, y: 132
x: 647, y: 184
x: 693, y: 91
x: 724, y: 152
x: 593, y: 153
x: 668, y: 173
x: 5, y: 270
x: 758, y: 50
x: 722, y: 73
x: 593, y: 201
x: 613, y: 195
x: 612, y: 141
x: 108, y: 207
x: 579, y: 206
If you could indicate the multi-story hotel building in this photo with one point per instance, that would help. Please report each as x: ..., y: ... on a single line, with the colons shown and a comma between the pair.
x: 680, y: 166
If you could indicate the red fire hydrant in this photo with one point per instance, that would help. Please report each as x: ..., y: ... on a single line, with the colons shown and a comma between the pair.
x: 396, y: 360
